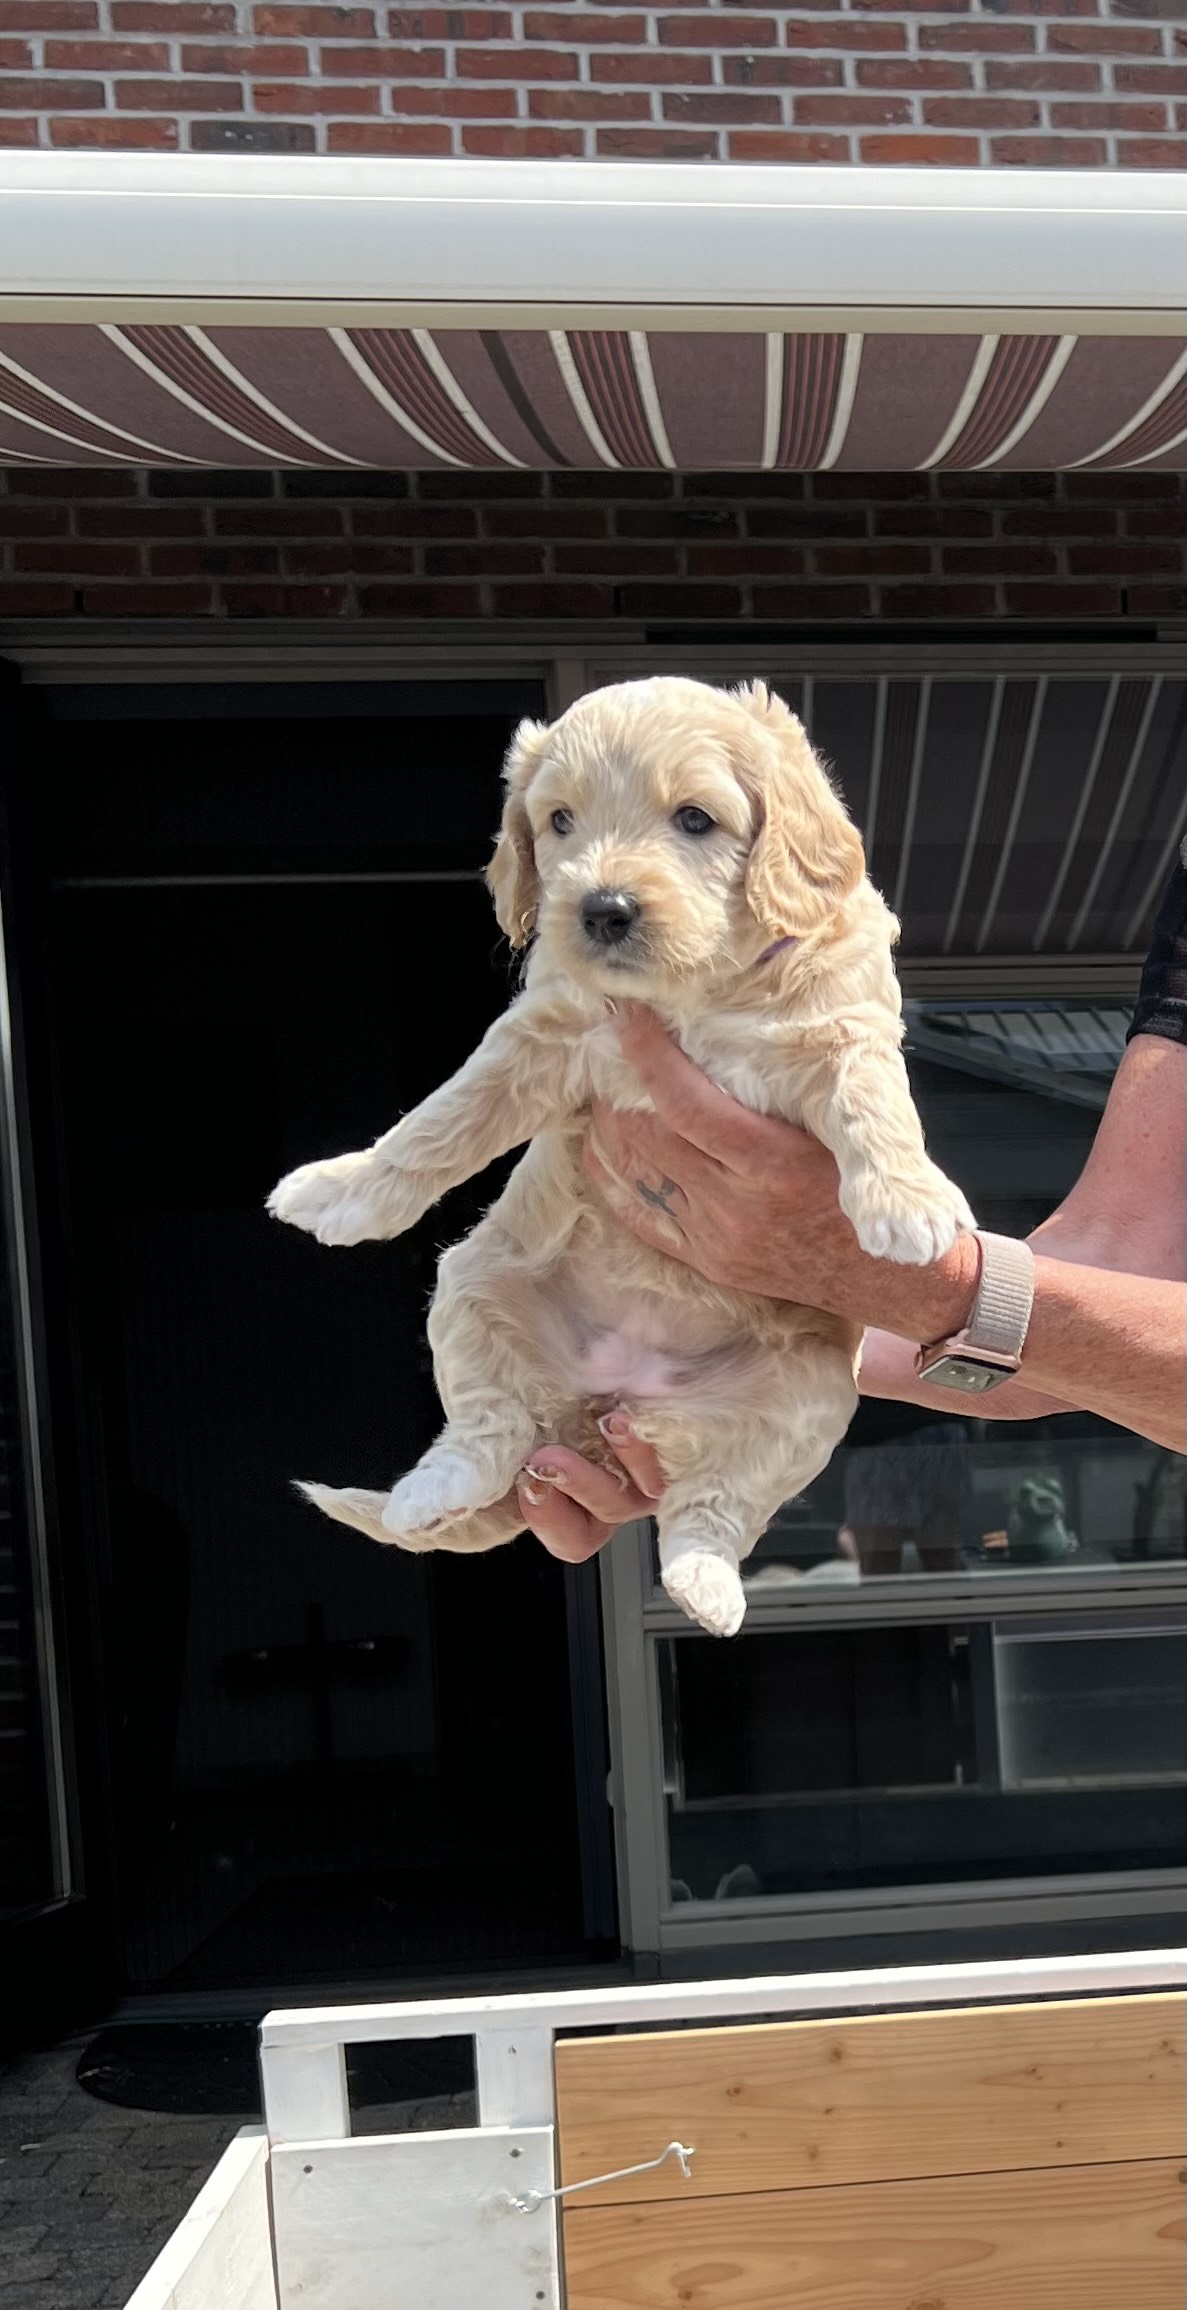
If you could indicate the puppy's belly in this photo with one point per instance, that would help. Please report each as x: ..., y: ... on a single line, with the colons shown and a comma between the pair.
x: 613, y: 1364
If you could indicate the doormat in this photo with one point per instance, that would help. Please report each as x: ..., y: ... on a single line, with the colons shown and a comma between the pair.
x: 209, y: 2069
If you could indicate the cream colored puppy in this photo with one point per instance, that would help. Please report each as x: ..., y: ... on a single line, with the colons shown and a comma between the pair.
x: 679, y: 844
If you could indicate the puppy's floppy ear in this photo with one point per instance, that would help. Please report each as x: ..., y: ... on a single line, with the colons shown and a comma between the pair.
x: 511, y: 876
x: 807, y: 857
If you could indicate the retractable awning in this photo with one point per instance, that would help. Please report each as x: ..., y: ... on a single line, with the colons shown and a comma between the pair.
x: 193, y: 310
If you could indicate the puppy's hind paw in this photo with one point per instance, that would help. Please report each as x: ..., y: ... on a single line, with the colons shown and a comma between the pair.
x: 444, y: 1486
x: 708, y: 1588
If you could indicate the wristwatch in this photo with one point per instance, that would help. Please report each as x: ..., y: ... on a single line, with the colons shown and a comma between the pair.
x: 989, y: 1349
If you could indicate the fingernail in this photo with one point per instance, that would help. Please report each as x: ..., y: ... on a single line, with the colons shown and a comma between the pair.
x: 528, y: 1492
x: 615, y: 1427
x: 542, y: 1475
x: 610, y: 1008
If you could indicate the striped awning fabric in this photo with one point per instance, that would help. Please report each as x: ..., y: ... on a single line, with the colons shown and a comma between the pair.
x: 184, y: 395
x: 1013, y: 815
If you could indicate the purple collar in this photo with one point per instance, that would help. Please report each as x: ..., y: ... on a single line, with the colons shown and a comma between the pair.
x: 780, y: 946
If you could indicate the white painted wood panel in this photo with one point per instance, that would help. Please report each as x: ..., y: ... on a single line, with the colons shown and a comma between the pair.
x: 220, y: 2255
x: 415, y: 2222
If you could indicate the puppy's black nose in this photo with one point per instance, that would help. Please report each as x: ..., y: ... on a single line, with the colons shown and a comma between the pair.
x: 609, y: 916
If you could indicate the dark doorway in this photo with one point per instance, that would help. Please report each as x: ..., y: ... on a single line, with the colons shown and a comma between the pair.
x: 265, y: 935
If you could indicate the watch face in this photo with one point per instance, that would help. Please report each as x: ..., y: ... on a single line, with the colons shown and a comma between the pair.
x: 971, y: 1378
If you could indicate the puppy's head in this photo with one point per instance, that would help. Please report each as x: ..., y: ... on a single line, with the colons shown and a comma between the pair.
x: 661, y: 834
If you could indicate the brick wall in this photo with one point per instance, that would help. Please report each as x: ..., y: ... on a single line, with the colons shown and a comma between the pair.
x: 1047, y: 83
x: 636, y: 546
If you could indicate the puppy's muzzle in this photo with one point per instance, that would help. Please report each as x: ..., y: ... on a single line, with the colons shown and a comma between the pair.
x: 609, y: 916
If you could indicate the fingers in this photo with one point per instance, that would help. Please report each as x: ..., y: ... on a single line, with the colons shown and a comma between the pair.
x: 640, y: 1460
x: 560, y: 1525
x: 574, y: 1507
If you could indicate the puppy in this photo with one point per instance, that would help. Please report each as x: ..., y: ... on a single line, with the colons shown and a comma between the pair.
x: 680, y: 845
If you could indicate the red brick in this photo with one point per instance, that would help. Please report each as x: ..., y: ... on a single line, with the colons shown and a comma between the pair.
x: 450, y: 24
x: 179, y: 95
x: 14, y: 133
x: 873, y: 560
x: 718, y: 31
x: 384, y: 63
x: 230, y: 57
x: 1011, y: 559
x: 1153, y: 152
x: 656, y: 144
x: 15, y: 56
x: 48, y: 16
x: 88, y: 481
x: 64, y: 95
x: 343, y: 557
x: 676, y: 521
x: 920, y: 151
x: 742, y: 558
x: 1111, y: 39
x: 285, y: 601
x: 137, y: 520
x: 1064, y: 601
x: 860, y: 111
x: 1040, y: 72
x: 311, y: 23
x: 979, y: 39
x: 650, y: 69
x: 846, y: 33
x: 938, y: 601
x: 251, y: 136
x: 931, y: 521
x: 981, y: 112
x: 101, y: 133
x: 890, y: 486
x: 419, y: 520
x: 172, y: 16
x: 811, y: 601
x: 496, y: 560
x: 280, y: 521
x: 1150, y: 79
x: 1140, y: 119
x: 562, y: 521
x: 754, y: 144
x: 720, y: 105
x: 679, y: 601
x: 106, y: 56
x: 1038, y: 486
x: 1058, y: 521
x: 33, y: 520
x: 422, y: 601
x: 524, y: 143
x: 24, y: 599
x: 783, y: 71
x: 585, y: 29
x: 913, y: 72
x: 589, y: 104
x: 617, y: 560
x: 475, y: 486
x: 428, y: 140
x: 517, y: 64
x: 808, y: 521
x: 214, y: 560
x: 454, y: 103
x: 1157, y: 521
x: 1121, y: 560
x: 1156, y: 601
x: 305, y: 96
x: 1048, y: 152
x: 145, y: 601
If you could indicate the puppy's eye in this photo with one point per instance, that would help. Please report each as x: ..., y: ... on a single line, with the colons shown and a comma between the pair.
x: 690, y: 820
x: 561, y: 821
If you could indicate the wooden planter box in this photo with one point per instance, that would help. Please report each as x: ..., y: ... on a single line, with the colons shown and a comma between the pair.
x: 963, y: 2137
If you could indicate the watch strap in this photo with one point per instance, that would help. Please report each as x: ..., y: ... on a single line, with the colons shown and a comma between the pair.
x: 1005, y: 1296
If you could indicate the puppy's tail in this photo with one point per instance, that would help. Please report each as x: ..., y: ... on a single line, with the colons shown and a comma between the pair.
x: 470, y: 1535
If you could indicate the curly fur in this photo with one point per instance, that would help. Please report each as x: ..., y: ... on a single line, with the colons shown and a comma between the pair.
x: 549, y: 1312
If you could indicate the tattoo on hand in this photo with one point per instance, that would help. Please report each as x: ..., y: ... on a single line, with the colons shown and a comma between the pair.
x: 657, y: 1197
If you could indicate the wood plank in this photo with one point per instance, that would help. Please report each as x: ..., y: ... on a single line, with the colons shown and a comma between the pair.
x: 793, y: 2105
x: 1077, y: 2238
x: 415, y: 2222
x: 221, y: 2251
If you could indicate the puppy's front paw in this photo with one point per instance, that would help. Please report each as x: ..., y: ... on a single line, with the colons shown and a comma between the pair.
x: 708, y: 1588
x: 913, y: 1221
x: 348, y: 1199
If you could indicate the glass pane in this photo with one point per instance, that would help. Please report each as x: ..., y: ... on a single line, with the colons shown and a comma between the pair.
x: 821, y: 1761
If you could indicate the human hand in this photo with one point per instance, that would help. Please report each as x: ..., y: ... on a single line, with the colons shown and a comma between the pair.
x: 575, y: 1507
x: 751, y: 1201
